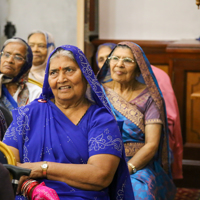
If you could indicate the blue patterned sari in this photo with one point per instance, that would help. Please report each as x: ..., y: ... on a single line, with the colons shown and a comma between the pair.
x: 40, y: 131
x: 154, y: 180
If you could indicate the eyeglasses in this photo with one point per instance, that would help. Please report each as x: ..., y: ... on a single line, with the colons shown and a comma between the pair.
x: 126, y: 61
x: 17, y: 58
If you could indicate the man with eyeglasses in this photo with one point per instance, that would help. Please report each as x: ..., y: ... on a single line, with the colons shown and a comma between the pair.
x: 15, y: 63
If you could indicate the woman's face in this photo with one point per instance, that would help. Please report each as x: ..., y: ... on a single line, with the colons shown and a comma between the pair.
x: 38, y: 44
x: 12, y: 59
x: 66, y: 80
x: 103, y: 53
x: 120, y: 71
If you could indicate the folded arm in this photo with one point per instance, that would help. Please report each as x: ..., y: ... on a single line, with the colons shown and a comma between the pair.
x: 95, y: 175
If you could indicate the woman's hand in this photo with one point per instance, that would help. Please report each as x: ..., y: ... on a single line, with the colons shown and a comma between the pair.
x: 21, y: 180
x: 36, y: 170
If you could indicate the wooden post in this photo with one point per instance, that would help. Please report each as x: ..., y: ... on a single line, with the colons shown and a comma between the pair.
x: 80, y: 24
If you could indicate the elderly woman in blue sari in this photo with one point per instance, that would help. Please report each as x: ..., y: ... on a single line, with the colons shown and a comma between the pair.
x: 15, y: 63
x: 72, y: 145
x: 135, y: 98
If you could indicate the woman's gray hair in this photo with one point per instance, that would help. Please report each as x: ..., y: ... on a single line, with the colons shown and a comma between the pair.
x: 62, y: 52
x: 18, y: 41
x: 37, y: 31
x: 122, y: 46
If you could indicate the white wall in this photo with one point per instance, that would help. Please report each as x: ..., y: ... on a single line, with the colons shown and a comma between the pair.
x: 149, y: 19
x: 3, y: 19
x: 59, y: 17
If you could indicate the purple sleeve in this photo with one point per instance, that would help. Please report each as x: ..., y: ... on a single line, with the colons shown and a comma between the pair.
x: 151, y: 114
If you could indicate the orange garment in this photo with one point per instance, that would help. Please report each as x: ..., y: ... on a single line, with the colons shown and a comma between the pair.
x: 173, y: 118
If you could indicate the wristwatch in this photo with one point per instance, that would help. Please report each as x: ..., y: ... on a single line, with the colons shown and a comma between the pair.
x: 133, y: 168
x: 44, y: 167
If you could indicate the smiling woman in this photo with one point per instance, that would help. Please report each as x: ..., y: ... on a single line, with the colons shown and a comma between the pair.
x: 67, y: 82
x: 136, y: 99
x: 76, y: 148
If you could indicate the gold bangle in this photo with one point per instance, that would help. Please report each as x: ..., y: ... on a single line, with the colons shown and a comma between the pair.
x: 133, y: 167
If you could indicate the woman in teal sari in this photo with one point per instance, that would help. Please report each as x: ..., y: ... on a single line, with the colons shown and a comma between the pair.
x: 135, y: 99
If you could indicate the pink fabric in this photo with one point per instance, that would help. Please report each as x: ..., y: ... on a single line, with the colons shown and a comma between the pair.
x: 175, y: 136
x: 43, y: 192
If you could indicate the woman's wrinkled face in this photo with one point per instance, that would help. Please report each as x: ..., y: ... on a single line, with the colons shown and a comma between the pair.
x: 121, y: 71
x: 103, y: 53
x: 12, y: 59
x: 66, y: 80
x: 38, y: 44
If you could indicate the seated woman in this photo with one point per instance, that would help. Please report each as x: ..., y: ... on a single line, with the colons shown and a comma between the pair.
x: 15, y: 63
x: 173, y: 118
x: 140, y: 106
x: 72, y: 145
x: 42, y: 44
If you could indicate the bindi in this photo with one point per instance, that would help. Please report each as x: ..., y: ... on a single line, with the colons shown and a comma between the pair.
x: 59, y: 68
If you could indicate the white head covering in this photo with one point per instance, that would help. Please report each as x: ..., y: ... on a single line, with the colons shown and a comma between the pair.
x: 37, y: 72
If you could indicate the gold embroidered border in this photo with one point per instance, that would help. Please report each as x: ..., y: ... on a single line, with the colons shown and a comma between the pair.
x: 128, y: 110
x: 131, y: 148
x: 153, y: 121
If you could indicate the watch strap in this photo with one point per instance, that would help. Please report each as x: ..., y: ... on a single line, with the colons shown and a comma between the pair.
x: 44, y: 170
x: 133, y: 167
